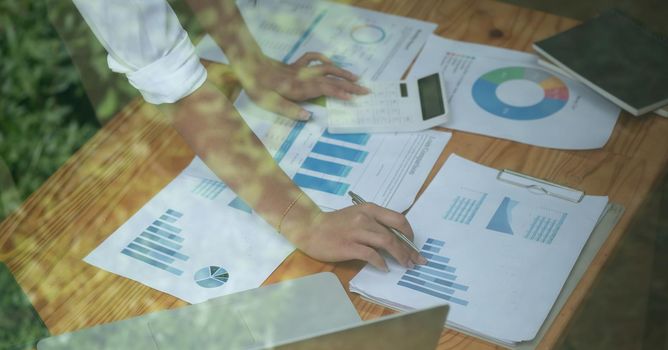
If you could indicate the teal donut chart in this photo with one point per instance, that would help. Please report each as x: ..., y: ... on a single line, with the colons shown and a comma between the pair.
x: 367, y: 34
x: 211, y: 276
x: 555, y: 93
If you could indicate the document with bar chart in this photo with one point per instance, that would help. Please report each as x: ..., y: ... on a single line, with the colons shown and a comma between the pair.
x: 498, y: 253
x: 386, y: 169
x: 188, y: 241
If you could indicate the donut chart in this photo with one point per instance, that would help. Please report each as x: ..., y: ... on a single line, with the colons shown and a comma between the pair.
x: 211, y: 276
x: 367, y: 34
x: 485, y: 93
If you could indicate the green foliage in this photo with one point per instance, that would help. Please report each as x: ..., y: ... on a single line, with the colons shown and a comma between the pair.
x: 20, y: 325
x: 41, y: 99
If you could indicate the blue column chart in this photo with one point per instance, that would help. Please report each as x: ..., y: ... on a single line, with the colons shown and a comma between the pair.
x: 211, y: 276
x: 544, y: 228
x: 485, y: 93
x: 159, y: 244
x: 464, y: 207
x: 437, y: 278
x: 209, y: 189
x: 325, y: 175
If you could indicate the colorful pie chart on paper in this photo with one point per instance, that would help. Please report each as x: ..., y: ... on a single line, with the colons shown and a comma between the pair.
x: 486, y: 93
x: 211, y: 276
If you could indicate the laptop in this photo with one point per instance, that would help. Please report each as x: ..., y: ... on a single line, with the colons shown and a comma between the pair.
x: 305, y: 313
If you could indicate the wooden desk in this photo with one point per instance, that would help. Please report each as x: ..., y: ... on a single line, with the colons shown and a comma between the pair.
x: 138, y: 153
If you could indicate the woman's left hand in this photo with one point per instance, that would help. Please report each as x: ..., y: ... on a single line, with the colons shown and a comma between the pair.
x: 276, y: 86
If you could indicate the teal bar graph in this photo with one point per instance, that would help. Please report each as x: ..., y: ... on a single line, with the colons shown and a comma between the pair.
x: 358, y: 139
x: 164, y: 234
x: 151, y: 262
x: 289, y: 141
x: 435, y: 242
x: 173, y: 213
x: 150, y: 253
x: 209, y: 189
x: 437, y: 278
x: 159, y: 245
x: 326, y: 167
x: 167, y: 218
x: 166, y: 226
x: 544, y: 229
x: 320, y: 184
x: 465, y: 206
x: 340, y: 152
x: 165, y: 242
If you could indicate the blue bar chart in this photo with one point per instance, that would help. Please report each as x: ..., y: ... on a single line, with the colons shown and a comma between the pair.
x: 358, y: 139
x: 544, y: 228
x: 341, y: 152
x: 320, y: 184
x: 209, y: 189
x: 328, y: 175
x: 326, y: 167
x: 159, y: 244
x: 290, y: 138
x: 465, y: 206
x: 437, y: 278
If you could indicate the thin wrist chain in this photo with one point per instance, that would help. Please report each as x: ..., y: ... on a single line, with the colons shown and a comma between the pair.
x: 287, y: 210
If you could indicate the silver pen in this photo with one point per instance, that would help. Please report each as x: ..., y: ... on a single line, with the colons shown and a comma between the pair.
x: 357, y: 200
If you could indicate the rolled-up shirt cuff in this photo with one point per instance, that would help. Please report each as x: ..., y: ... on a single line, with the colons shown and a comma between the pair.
x: 172, y: 77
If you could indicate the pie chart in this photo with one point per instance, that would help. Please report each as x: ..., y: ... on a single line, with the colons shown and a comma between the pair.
x: 367, y: 34
x: 492, y: 94
x: 211, y: 276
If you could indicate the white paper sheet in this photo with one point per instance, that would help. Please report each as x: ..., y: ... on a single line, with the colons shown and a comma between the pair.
x: 371, y: 44
x: 387, y: 169
x: 188, y: 242
x: 212, y: 228
x: 504, y: 93
x: 499, y: 254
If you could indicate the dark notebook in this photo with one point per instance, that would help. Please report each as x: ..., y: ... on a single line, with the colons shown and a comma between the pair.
x: 616, y: 56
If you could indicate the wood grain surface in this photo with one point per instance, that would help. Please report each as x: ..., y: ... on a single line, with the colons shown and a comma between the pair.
x: 138, y: 153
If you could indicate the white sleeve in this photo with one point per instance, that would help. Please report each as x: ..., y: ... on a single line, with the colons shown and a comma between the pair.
x: 145, y: 40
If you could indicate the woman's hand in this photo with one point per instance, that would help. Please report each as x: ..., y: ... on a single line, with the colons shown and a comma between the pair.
x: 357, y: 232
x: 274, y: 85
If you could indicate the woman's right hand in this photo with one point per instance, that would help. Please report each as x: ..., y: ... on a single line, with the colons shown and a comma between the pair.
x: 357, y: 232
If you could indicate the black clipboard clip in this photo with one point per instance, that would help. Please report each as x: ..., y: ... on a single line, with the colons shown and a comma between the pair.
x: 540, y: 186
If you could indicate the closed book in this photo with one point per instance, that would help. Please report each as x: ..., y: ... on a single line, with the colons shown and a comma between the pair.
x: 617, y: 57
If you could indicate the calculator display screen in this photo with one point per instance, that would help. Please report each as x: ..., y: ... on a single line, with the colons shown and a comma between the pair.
x: 431, y: 98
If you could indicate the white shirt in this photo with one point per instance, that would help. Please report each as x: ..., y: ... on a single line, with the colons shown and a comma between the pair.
x: 145, y: 41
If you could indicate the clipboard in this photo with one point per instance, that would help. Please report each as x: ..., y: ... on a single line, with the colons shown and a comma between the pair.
x: 606, y: 222
x: 540, y: 186
x: 611, y: 215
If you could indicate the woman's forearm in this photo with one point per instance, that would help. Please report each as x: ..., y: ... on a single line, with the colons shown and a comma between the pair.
x: 213, y: 128
x: 223, y: 21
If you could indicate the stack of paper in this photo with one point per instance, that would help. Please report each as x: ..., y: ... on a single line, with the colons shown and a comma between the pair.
x: 196, y: 240
x: 498, y: 253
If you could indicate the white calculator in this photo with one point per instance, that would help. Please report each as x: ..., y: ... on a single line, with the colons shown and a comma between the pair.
x: 392, y: 106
